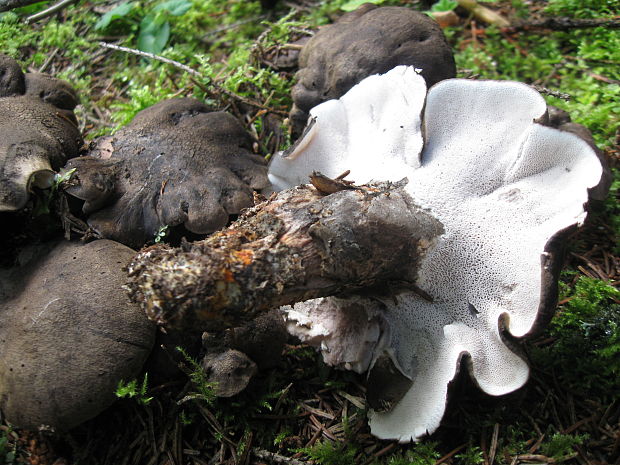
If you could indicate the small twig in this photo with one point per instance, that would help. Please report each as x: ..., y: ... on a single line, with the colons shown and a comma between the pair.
x: 234, y: 25
x: 192, y: 72
x: 49, y: 59
x: 49, y: 11
x: 451, y: 454
x: 152, y: 56
x: 380, y: 453
x: 278, y: 459
x: 493, y: 449
x: 291, y: 47
x: 565, y: 24
x: 483, y: 13
x: 552, y: 93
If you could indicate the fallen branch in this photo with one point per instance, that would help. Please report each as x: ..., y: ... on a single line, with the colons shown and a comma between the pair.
x: 6, y: 5
x: 301, y: 244
x: 564, y: 24
x: 483, y: 13
x: 50, y: 11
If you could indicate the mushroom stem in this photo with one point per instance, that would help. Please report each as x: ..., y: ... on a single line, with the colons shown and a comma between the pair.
x: 298, y: 245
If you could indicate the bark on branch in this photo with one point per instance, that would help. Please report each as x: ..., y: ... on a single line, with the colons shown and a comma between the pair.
x: 298, y: 245
x: 6, y: 5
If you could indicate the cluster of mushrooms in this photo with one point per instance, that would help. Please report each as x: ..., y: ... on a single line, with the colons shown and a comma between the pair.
x: 476, y: 184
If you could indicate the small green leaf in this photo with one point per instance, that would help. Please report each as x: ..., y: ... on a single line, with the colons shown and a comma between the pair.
x: 154, y: 34
x: 444, y: 5
x: 352, y: 5
x: 174, y: 7
x: 122, y: 10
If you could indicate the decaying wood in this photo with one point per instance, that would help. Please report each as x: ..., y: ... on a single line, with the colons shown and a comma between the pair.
x: 299, y: 244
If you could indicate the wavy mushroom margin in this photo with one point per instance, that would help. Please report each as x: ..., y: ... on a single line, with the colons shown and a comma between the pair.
x: 508, y: 191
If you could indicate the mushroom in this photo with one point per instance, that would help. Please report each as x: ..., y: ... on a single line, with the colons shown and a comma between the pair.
x: 176, y: 163
x: 262, y: 339
x: 68, y: 334
x: 367, y: 41
x: 507, y: 190
x: 38, y: 132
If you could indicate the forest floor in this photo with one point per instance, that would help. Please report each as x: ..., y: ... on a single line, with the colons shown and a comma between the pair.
x: 305, y: 411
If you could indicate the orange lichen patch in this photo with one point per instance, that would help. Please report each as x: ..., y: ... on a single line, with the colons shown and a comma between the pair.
x: 228, y: 275
x: 244, y: 256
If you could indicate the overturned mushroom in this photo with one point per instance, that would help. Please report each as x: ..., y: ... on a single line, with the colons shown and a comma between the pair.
x: 507, y: 191
x: 68, y: 334
x: 364, y: 42
x: 176, y: 163
x: 38, y: 132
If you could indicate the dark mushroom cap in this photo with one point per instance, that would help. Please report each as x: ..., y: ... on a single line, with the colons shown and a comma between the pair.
x: 38, y: 131
x: 51, y: 90
x: 368, y: 41
x: 68, y: 334
x: 11, y: 77
x: 230, y: 371
x: 176, y: 163
x: 262, y: 339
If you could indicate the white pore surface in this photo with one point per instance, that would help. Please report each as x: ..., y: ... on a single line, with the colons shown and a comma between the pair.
x: 346, y: 330
x: 373, y: 130
x: 502, y: 186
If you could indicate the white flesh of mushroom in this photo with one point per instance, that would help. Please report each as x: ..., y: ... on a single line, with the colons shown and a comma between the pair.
x: 501, y: 184
x: 21, y: 176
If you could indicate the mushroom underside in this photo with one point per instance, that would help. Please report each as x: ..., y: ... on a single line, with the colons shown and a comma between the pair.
x: 505, y: 189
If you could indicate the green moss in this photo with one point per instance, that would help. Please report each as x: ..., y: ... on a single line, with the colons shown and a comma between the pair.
x: 586, y: 353
x: 582, y: 8
x: 472, y: 455
x: 422, y: 453
x: 560, y: 445
x: 576, y: 63
x: 331, y: 453
x: 13, y: 35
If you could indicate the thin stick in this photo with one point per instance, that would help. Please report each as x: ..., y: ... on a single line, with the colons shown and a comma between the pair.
x: 565, y: 24
x: 234, y: 25
x: 493, y: 449
x: 192, y: 72
x: 278, y: 459
x: 134, y: 51
x: 49, y: 11
x: 552, y: 93
x: 451, y: 454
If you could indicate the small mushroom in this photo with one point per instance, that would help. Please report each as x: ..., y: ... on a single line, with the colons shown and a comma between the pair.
x: 507, y: 190
x: 68, y: 334
x: 367, y: 41
x: 176, y: 163
x: 233, y: 358
x: 38, y: 132
x: 230, y: 371
x: 262, y: 339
